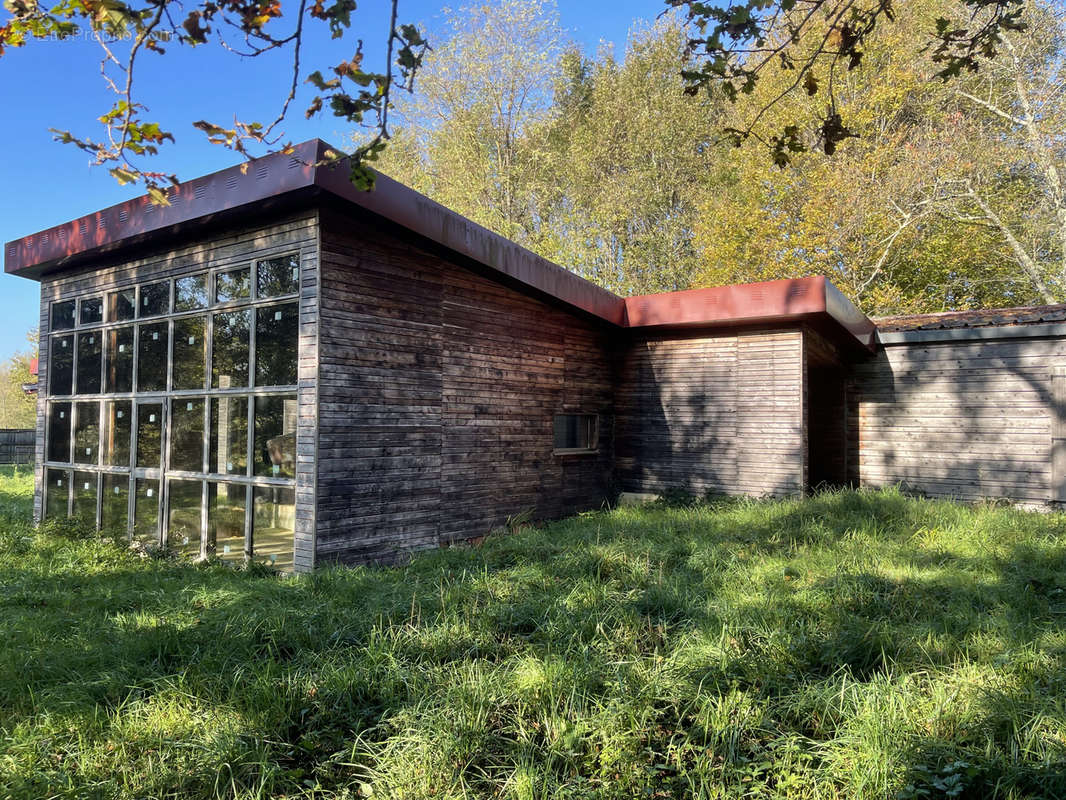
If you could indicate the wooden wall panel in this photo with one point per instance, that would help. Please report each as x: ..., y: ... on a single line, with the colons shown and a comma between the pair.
x: 439, y: 388
x: 719, y: 413
x: 965, y: 419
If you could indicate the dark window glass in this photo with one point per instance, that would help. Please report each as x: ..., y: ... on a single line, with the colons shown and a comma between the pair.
x: 273, y: 523
x: 92, y: 310
x: 225, y: 520
x: 149, y: 435
x: 121, y: 305
x: 146, y: 511
x: 61, y: 365
x: 63, y: 315
x: 87, y: 433
x: 85, y: 496
x: 575, y: 431
x: 155, y: 299
x: 114, y: 504
x: 190, y: 353
x: 190, y: 293
x: 277, y: 276
x: 118, y: 426
x: 187, y: 435
x: 118, y: 373
x: 90, y: 359
x: 233, y: 285
x: 276, y: 329
x: 228, y: 445
x: 56, y: 493
x: 275, y: 436
x: 229, y: 363
x: 184, y: 502
x: 59, y: 432
x: 152, y: 358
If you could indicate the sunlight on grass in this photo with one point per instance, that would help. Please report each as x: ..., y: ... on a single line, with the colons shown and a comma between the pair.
x: 853, y: 644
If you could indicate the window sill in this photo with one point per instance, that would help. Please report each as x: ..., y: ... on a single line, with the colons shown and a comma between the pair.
x: 575, y: 452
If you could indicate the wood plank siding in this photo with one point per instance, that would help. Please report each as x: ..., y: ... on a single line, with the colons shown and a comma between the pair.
x: 221, y: 249
x: 717, y: 413
x: 438, y: 388
x: 966, y: 419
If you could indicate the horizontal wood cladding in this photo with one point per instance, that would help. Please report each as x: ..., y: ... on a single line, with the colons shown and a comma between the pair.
x: 968, y: 419
x: 718, y: 413
x: 438, y: 392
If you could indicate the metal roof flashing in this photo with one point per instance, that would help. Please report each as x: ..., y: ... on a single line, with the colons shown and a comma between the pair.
x: 289, y: 179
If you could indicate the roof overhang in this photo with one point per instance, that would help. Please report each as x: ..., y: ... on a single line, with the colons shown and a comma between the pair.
x: 299, y: 178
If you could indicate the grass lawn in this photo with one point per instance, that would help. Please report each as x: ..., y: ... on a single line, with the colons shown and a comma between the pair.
x: 852, y: 645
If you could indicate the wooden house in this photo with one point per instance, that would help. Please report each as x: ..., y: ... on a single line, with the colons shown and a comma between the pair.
x: 277, y: 366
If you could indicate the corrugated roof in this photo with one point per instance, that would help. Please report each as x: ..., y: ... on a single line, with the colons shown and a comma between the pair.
x: 977, y: 318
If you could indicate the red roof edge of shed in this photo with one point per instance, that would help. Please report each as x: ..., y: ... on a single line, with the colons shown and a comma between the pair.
x: 269, y: 180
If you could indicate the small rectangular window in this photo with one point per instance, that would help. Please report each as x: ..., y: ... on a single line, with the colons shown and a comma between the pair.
x: 118, y: 429
x: 232, y: 285
x: 276, y: 340
x: 273, y: 525
x: 187, y: 434
x: 575, y: 432
x: 190, y: 293
x: 155, y: 299
x: 152, y: 358
x: 190, y: 353
x: 149, y: 435
x: 275, y: 277
x: 114, y: 504
x: 57, y: 493
x: 85, y: 496
x: 61, y: 365
x: 63, y: 315
x: 90, y: 359
x: 229, y: 364
x: 146, y: 511
x: 183, y: 517
x: 225, y: 520
x: 228, y: 440
x: 121, y: 305
x: 92, y: 310
x: 59, y: 432
x: 118, y: 372
x: 275, y: 437
x: 86, y: 433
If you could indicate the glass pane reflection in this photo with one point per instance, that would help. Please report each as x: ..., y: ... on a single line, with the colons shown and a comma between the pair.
x: 228, y: 445
x: 152, y: 358
x: 90, y: 360
x: 59, y: 426
x: 118, y: 374
x: 273, y: 523
x: 190, y: 353
x: 61, y: 365
x: 146, y: 511
x: 229, y: 365
x: 114, y: 504
x: 183, y: 527
x: 275, y: 436
x: 187, y: 435
x: 276, y: 329
x: 56, y: 493
x: 85, y: 496
x: 150, y: 435
x: 225, y: 520
x: 86, y: 433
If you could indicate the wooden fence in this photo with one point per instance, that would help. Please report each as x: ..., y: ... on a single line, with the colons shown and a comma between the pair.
x: 16, y: 446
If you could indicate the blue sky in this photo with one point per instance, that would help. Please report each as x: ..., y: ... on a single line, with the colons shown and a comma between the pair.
x: 56, y: 84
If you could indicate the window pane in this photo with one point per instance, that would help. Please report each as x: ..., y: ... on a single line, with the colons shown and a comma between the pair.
x: 183, y: 526
x: 275, y: 436
x: 118, y: 375
x: 90, y: 359
x: 190, y: 353
x: 87, y: 433
x: 225, y: 520
x: 277, y: 276
x: 575, y: 431
x: 273, y: 523
x: 92, y: 310
x: 61, y: 365
x: 152, y: 358
x: 118, y: 426
x: 59, y: 432
x: 63, y: 315
x: 146, y: 511
x: 275, y: 344
x: 85, y: 496
x: 228, y: 446
x: 55, y: 493
x: 229, y: 364
x: 155, y: 299
x: 232, y: 285
x: 149, y: 435
x: 114, y: 510
x: 190, y: 293
x: 187, y: 435
x: 121, y: 305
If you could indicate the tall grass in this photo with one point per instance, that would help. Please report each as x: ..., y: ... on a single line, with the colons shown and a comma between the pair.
x: 853, y: 644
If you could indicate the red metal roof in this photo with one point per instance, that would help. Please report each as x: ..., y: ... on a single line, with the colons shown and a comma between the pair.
x: 281, y: 180
x: 977, y: 318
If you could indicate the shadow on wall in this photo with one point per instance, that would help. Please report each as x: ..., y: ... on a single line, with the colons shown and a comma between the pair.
x: 970, y: 420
